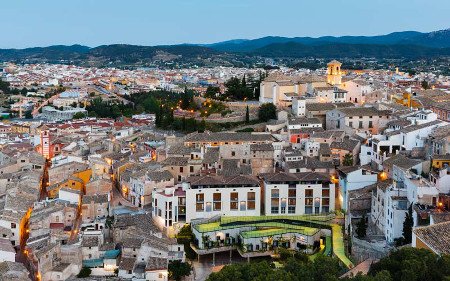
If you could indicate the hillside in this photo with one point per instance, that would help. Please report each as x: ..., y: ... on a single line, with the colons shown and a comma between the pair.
x: 437, y: 39
x: 334, y: 50
x: 407, y: 44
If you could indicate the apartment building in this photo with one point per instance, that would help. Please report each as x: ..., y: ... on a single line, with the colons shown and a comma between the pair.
x: 297, y: 193
x: 367, y: 120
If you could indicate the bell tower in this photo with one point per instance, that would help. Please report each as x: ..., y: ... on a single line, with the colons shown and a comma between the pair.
x: 334, y: 76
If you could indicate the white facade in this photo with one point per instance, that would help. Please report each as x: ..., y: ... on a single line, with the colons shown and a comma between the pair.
x: 230, y: 201
x: 298, y: 194
x: 357, y: 90
x: 70, y: 195
x: 7, y: 252
x: 299, y: 107
x: 354, y: 180
x: 389, y: 207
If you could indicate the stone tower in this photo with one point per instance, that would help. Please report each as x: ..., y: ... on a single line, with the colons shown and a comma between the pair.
x: 334, y: 76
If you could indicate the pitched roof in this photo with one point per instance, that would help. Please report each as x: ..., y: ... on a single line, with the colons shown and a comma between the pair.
x: 222, y: 180
x: 228, y: 137
x: 155, y: 263
x: 175, y: 161
x: 363, y: 111
x: 320, y: 106
x: 436, y: 237
x: 295, y: 177
x: 304, y: 120
x: 401, y: 161
x: 345, y: 144
x: 90, y: 241
x: 413, y: 128
x: 211, y: 156
x: 261, y: 147
x: 127, y: 263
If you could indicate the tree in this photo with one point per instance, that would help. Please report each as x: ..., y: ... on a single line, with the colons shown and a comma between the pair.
x: 79, y: 115
x: 237, y: 89
x: 202, y: 126
x: 408, y: 225
x: 247, y: 115
x: 285, y: 253
x: 185, y: 237
x: 425, y: 85
x: 412, y: 264
x: 28, y: 115
x: 178, y: 269
x: 159, y: 116
x: 84, y: 272
x: 347, y: 160
x: 24, y: 91
x: 212, y: 92
x: 361, y: 227
x: 187, y: 98
x: 183, y: 124
x: 266, y: 112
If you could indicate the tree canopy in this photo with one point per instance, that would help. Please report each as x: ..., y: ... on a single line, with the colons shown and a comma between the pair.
x: 267, y: 111
x: 179, y: 269
x: 406, y: 264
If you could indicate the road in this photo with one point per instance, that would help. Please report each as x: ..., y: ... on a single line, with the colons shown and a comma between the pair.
x: 35, y: 111
x: 118, y: 199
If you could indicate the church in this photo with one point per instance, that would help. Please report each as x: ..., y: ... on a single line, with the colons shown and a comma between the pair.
x: 285, y: 91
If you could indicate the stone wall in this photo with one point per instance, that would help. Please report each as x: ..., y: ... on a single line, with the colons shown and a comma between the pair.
x: 362, y: 250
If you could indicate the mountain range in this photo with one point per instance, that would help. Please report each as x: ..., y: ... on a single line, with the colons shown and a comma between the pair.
x: 406, y: 44
x: 436, y: 39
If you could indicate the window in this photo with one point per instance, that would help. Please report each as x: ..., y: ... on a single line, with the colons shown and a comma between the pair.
x: 275, y: 193
x: 325, y: 193
x: 360, y: 124
x: 217, y: 201
x: 308, y: 201
x: 200, y: 199
x: 291, y: 209
x: 292, y: 192
x: 308, y: 193
x: 233, y: 153
x: 350, y: 124
x: 234, y: 198
x: 370, y: 124
x: 191, y: 169
x: 251, y: 202
x: 274, y: 206
x: 181, y: 169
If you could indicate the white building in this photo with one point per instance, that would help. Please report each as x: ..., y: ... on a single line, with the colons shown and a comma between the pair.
x: 205, y: 197
x: 353, y: 178
x: 298, y: 194
x: 357, y: 90
x: 7, y: 252
x: 389, y: 207
x: 208, y: 196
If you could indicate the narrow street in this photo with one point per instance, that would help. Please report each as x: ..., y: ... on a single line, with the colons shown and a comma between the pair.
x: 118, y: 199
x: 76, y: 226
x: 45, y: 181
